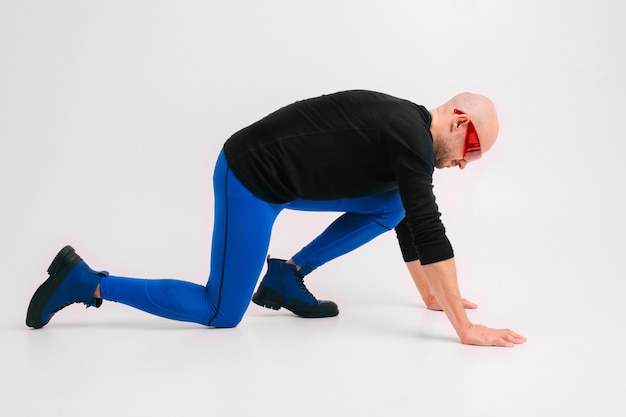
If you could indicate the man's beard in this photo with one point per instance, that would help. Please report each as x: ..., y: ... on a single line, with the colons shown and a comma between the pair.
x: 442, y: 155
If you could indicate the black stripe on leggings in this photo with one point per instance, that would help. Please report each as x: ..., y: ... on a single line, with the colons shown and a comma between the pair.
x: 219, y: 298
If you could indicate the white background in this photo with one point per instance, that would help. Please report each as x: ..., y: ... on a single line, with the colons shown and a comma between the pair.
x: 111, y: 116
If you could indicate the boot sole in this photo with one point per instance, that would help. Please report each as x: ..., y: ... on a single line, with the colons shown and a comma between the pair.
x: 61, y: 265
x: 268, y: 298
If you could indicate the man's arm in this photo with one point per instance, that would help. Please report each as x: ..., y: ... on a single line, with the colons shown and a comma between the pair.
x: 441, y: 277
x: 422, y: 285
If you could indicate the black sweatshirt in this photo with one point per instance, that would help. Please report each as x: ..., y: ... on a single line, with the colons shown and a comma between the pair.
x: 343, y: 145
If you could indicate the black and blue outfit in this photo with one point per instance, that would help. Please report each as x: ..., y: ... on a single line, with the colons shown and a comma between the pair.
x: 365, y: 154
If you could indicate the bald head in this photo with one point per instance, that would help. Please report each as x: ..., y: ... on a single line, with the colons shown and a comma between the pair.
x: 482, y: 113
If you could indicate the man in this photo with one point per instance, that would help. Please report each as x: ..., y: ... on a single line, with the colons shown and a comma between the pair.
x: 363, y: 153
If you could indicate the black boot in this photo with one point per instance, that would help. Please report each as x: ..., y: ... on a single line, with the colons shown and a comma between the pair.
x: 70, y: 281
x: 282, y: 286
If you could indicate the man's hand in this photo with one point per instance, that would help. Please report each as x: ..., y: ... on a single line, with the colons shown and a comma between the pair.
x: 442, y: 279
x: 479, y: 335
x: 432, y: 303
x: 439, y: 289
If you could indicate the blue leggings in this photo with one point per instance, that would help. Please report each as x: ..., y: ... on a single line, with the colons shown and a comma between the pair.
x: 241, y: 236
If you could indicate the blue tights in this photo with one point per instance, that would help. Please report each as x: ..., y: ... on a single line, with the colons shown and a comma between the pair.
x: 241, y: 236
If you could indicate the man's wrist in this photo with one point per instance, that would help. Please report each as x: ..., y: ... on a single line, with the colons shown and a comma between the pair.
x: 463, y: 329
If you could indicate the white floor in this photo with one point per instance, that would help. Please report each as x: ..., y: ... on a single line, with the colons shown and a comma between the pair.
x: 385, y: 354
x: 112, y: 114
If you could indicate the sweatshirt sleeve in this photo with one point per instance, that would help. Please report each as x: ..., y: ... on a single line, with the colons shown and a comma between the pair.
x: 405, y: 240
x: 413, y: 159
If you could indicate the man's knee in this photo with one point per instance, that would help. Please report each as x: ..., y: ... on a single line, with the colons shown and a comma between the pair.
x: 223, y: 320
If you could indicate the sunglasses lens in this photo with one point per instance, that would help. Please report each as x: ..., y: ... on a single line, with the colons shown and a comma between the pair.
x: 472, y: 144
x: 472, y: 155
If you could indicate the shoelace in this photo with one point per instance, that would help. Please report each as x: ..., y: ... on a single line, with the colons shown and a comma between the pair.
x: 304, y: 288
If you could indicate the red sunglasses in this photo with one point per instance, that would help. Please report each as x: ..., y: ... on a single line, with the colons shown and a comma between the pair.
x: 472, y: 150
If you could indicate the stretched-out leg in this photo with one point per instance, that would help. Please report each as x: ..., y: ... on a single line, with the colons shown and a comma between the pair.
x: 242, y: 229
x: 241, y: 239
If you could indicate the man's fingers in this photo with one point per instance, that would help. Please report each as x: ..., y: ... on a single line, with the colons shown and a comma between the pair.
x: 468, y: 304
x: 434, y: 306
x: 516, y: 338
x: 485, y: 336
x: 512, y: 337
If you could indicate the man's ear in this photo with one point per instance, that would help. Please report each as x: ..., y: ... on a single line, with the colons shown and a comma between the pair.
x: 460, y: 118
x: 459, y: 121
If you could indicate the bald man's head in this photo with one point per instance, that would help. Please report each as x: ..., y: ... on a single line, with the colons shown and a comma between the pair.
x: 453, y: 124
x: 482, y: 113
